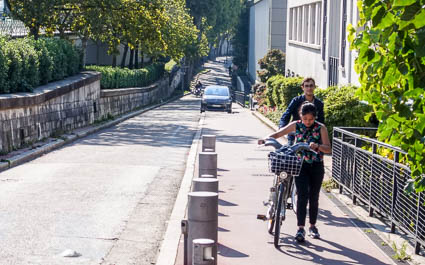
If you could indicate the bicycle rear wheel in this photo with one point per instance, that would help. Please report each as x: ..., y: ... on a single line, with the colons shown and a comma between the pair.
x: 281, y: 204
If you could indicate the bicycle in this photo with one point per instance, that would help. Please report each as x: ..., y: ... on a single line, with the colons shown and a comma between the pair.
x: 285, y: 165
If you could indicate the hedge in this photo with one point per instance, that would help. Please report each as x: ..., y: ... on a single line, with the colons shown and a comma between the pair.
x: 343, y: 107
x: 116, y: 77
x: 26, y: 63
x: 280, y: 90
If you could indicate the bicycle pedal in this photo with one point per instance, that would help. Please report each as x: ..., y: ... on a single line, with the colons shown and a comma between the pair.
x: 266, y: 203
x: 289, y: 206
x: 261, y: 217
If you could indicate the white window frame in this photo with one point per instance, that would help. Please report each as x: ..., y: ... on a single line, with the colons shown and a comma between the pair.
x: 305, y: 25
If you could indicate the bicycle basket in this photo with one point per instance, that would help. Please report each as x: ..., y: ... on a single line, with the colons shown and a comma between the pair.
x: 283, y: 162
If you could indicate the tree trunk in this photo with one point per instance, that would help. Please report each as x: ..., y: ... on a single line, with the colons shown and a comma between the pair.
x: 84, y: 48
x: 136, y: 59
x: 131, y: 65
x: 114, y: 60
x: 124, y: 56
x: 142, y: 62
x: 34, y: 31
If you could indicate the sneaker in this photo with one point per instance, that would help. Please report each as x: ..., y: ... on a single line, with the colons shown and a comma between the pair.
x: 300, y: 235
x: 313, y: 232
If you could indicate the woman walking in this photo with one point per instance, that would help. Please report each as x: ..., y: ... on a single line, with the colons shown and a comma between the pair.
x: 309, y: 182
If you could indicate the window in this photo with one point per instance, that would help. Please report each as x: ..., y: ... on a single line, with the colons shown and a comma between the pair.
x: 300, y: 24
x: 304, y: 23
x: 318, y: 19
x: 312, y: 37
x: 306, y: 9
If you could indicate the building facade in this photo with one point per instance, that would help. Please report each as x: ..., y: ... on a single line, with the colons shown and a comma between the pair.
x: 317, y: 44
x: 267, y: 30
x: 4, y: 8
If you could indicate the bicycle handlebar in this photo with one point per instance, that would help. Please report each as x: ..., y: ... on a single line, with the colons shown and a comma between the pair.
x: 296, y: 147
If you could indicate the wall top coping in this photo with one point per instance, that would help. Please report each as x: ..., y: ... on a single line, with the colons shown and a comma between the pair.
x: 126, y: 91
x: 49, y: 91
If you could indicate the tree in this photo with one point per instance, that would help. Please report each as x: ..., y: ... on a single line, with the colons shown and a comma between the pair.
x: 391, y: 62
x: 34, y: 14
x: 240, y: 40
x: 271, y: 64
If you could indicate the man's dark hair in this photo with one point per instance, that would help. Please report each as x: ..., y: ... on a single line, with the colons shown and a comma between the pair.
x: 308, y: 108
x: 308, y: 79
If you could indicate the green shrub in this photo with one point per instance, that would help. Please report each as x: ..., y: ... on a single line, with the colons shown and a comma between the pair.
x: 59, y: 59
x: 23, y: 74
x: 4, y: 68
x: 281, y: 90
x: 26, y: 63
x: 343, y: 107
x: 73, y: 57
x: 115, y: 77
x: 273, y: 63
x: 45, y: 61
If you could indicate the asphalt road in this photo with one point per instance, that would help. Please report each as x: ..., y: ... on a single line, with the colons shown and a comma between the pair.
x: 106, y: 197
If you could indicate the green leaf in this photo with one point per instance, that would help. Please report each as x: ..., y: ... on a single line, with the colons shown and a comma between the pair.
x: 419, y: 20
x: 391, y: 123
x: 410, y: 11
x: 403, y: 68
x: 420, y: 125
x: 403, y: 2
x: 377, y: 15
x: 367, y: 116
x: 410, y: 186
x: 386, y: 21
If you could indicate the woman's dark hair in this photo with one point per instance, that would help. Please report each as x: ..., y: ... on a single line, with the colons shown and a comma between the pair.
x: 308, y: 108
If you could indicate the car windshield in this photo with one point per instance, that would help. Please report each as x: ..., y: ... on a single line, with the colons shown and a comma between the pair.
x: 216, y: 91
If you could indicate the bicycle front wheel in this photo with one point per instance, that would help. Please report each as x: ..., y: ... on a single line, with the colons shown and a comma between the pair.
x: 294, y: 197
x: 281, y: 204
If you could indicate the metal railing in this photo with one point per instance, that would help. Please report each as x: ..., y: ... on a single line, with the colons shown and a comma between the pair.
x: 241, y: 98
x: 378, y: 181
x: 13, y: 28
x: 333, y: 71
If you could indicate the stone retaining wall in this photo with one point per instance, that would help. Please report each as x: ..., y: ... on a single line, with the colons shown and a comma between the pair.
x: 62, y: 106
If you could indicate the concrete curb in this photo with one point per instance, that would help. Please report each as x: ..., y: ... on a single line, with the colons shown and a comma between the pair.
x: 169, y: 246
x: 37, y: 152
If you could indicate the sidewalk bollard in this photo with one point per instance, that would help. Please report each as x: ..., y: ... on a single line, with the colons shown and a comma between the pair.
x: 202, y: 217
x: 184, y: 227
x: 208, y: 143
x: 207, y: 176
x: 202, y: 251
x: 208, y: 163
x: 205, y: 184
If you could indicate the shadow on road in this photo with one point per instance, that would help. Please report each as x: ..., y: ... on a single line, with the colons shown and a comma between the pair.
x: 230, y: 252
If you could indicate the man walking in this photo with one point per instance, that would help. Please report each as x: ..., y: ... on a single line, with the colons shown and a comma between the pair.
x: 308, y: 85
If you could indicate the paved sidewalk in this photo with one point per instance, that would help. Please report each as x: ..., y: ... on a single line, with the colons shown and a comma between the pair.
x: 244, y: 184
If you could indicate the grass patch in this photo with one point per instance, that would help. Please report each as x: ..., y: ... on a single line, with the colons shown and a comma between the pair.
x: 107, y: 117
x: 400, y: 253
x: 329, y: 185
